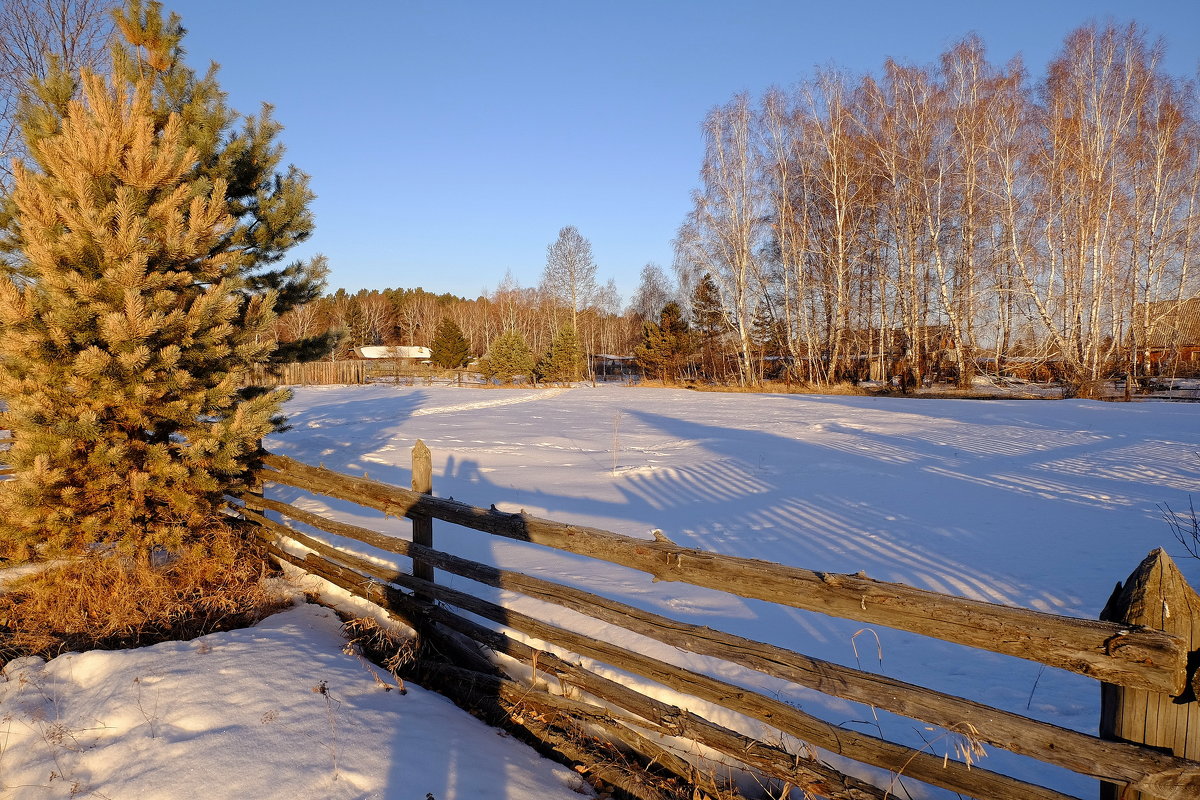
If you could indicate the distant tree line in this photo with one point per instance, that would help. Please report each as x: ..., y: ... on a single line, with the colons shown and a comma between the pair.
x: 559, y: 323
x: 514, y: 331
x: 416, y: 317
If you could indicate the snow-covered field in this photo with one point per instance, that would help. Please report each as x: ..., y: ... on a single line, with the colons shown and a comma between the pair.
x: 1039, y: 504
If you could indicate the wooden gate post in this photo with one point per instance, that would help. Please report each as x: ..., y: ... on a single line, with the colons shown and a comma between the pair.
x: 422, y: 526
x: 1156, y: 596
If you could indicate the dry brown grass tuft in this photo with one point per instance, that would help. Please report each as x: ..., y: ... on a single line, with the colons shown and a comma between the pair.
x: 110, y: 601
x: 385, y: 647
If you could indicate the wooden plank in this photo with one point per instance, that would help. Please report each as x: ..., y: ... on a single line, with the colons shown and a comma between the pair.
x: 944, y: 771
x: 1120, y: 654
x: 1156, y: 595
x: 1106, y: 760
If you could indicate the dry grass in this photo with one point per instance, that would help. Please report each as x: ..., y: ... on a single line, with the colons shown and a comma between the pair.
x: 385, y: 647
x: 780, y: 387
x: 111, y: 601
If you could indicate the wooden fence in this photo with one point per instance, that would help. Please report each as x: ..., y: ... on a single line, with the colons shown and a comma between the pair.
x: 310, y: 373
x: 1148, y: 680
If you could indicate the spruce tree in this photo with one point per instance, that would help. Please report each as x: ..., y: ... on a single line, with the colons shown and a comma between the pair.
x: 652, y: 353
x: 708, y: 317
x: 126, y: 335
x: 449, y: 348
x: 563, y: 362
x: 665, y: 345
x: 268, y: 203
x: 507, y: 357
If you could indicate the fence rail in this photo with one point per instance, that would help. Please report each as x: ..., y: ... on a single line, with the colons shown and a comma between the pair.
x: 1122, y: 655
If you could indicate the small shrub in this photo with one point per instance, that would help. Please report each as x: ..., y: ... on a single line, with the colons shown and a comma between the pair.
x: 507, y: 358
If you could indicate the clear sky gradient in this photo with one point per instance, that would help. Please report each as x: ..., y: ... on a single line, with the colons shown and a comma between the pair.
x: 449, y: 141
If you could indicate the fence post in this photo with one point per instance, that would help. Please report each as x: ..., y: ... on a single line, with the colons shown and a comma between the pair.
x: 422, y: 526
x: 1156, y: 596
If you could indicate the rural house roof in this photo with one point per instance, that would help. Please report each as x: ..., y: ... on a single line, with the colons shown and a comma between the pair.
x: 1173, y: 323
x: 393, y: 351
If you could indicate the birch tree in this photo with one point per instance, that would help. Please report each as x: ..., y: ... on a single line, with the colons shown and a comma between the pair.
x: 40, y: 39
x: 570, y: 273
x: 653, y: 292
x: 724, y: 228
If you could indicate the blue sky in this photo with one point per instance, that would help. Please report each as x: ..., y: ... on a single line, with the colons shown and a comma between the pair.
x: 449, y: 141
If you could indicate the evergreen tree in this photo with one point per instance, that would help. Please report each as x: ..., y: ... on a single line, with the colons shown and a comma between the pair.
x: 708, y: 317
x: 269, y: 205
x: 126, y: 335
x: 507, y: 357
x: 563, y: 362
x: 708, y: 314
x: 449, y: 348
x: 665, y: 346
x: 769, y: 338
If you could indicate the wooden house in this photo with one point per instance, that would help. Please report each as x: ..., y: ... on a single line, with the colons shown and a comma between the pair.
x: 402, y: 354
x: 1172, y: 339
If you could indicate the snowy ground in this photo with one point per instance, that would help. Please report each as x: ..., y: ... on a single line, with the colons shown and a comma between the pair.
x: 274, y: 711
x: 1039, y: 504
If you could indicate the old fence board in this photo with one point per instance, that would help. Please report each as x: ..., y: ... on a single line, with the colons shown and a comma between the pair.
x: 310, y: 373
x: 803, y: 772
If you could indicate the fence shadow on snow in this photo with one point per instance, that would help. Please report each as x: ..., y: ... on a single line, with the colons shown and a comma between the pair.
x: 1141, y: 654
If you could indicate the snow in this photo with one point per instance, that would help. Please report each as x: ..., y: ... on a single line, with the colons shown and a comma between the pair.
x: 1041, y: 504
x: 274, y: 711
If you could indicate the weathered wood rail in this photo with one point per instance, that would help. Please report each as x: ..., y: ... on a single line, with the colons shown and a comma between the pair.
x: 1119, y: 653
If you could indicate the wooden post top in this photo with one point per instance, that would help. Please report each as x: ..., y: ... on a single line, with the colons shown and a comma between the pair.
x: 422, y: 468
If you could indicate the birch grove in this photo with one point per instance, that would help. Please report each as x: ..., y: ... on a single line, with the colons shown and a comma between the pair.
x: 933, y: 220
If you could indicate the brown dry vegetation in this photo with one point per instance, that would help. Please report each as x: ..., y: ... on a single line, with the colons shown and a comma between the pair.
x: 773, y: 387
x: 109, y: 601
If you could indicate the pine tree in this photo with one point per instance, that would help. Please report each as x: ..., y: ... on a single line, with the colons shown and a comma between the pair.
x: 665, y: 346
x: 269, y: 204
x: 126, y: 336
x: 449, y: 348
x: 508, y: 357
x: 769, y: 338
x: 563, y: 362
x: 708, y: 317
